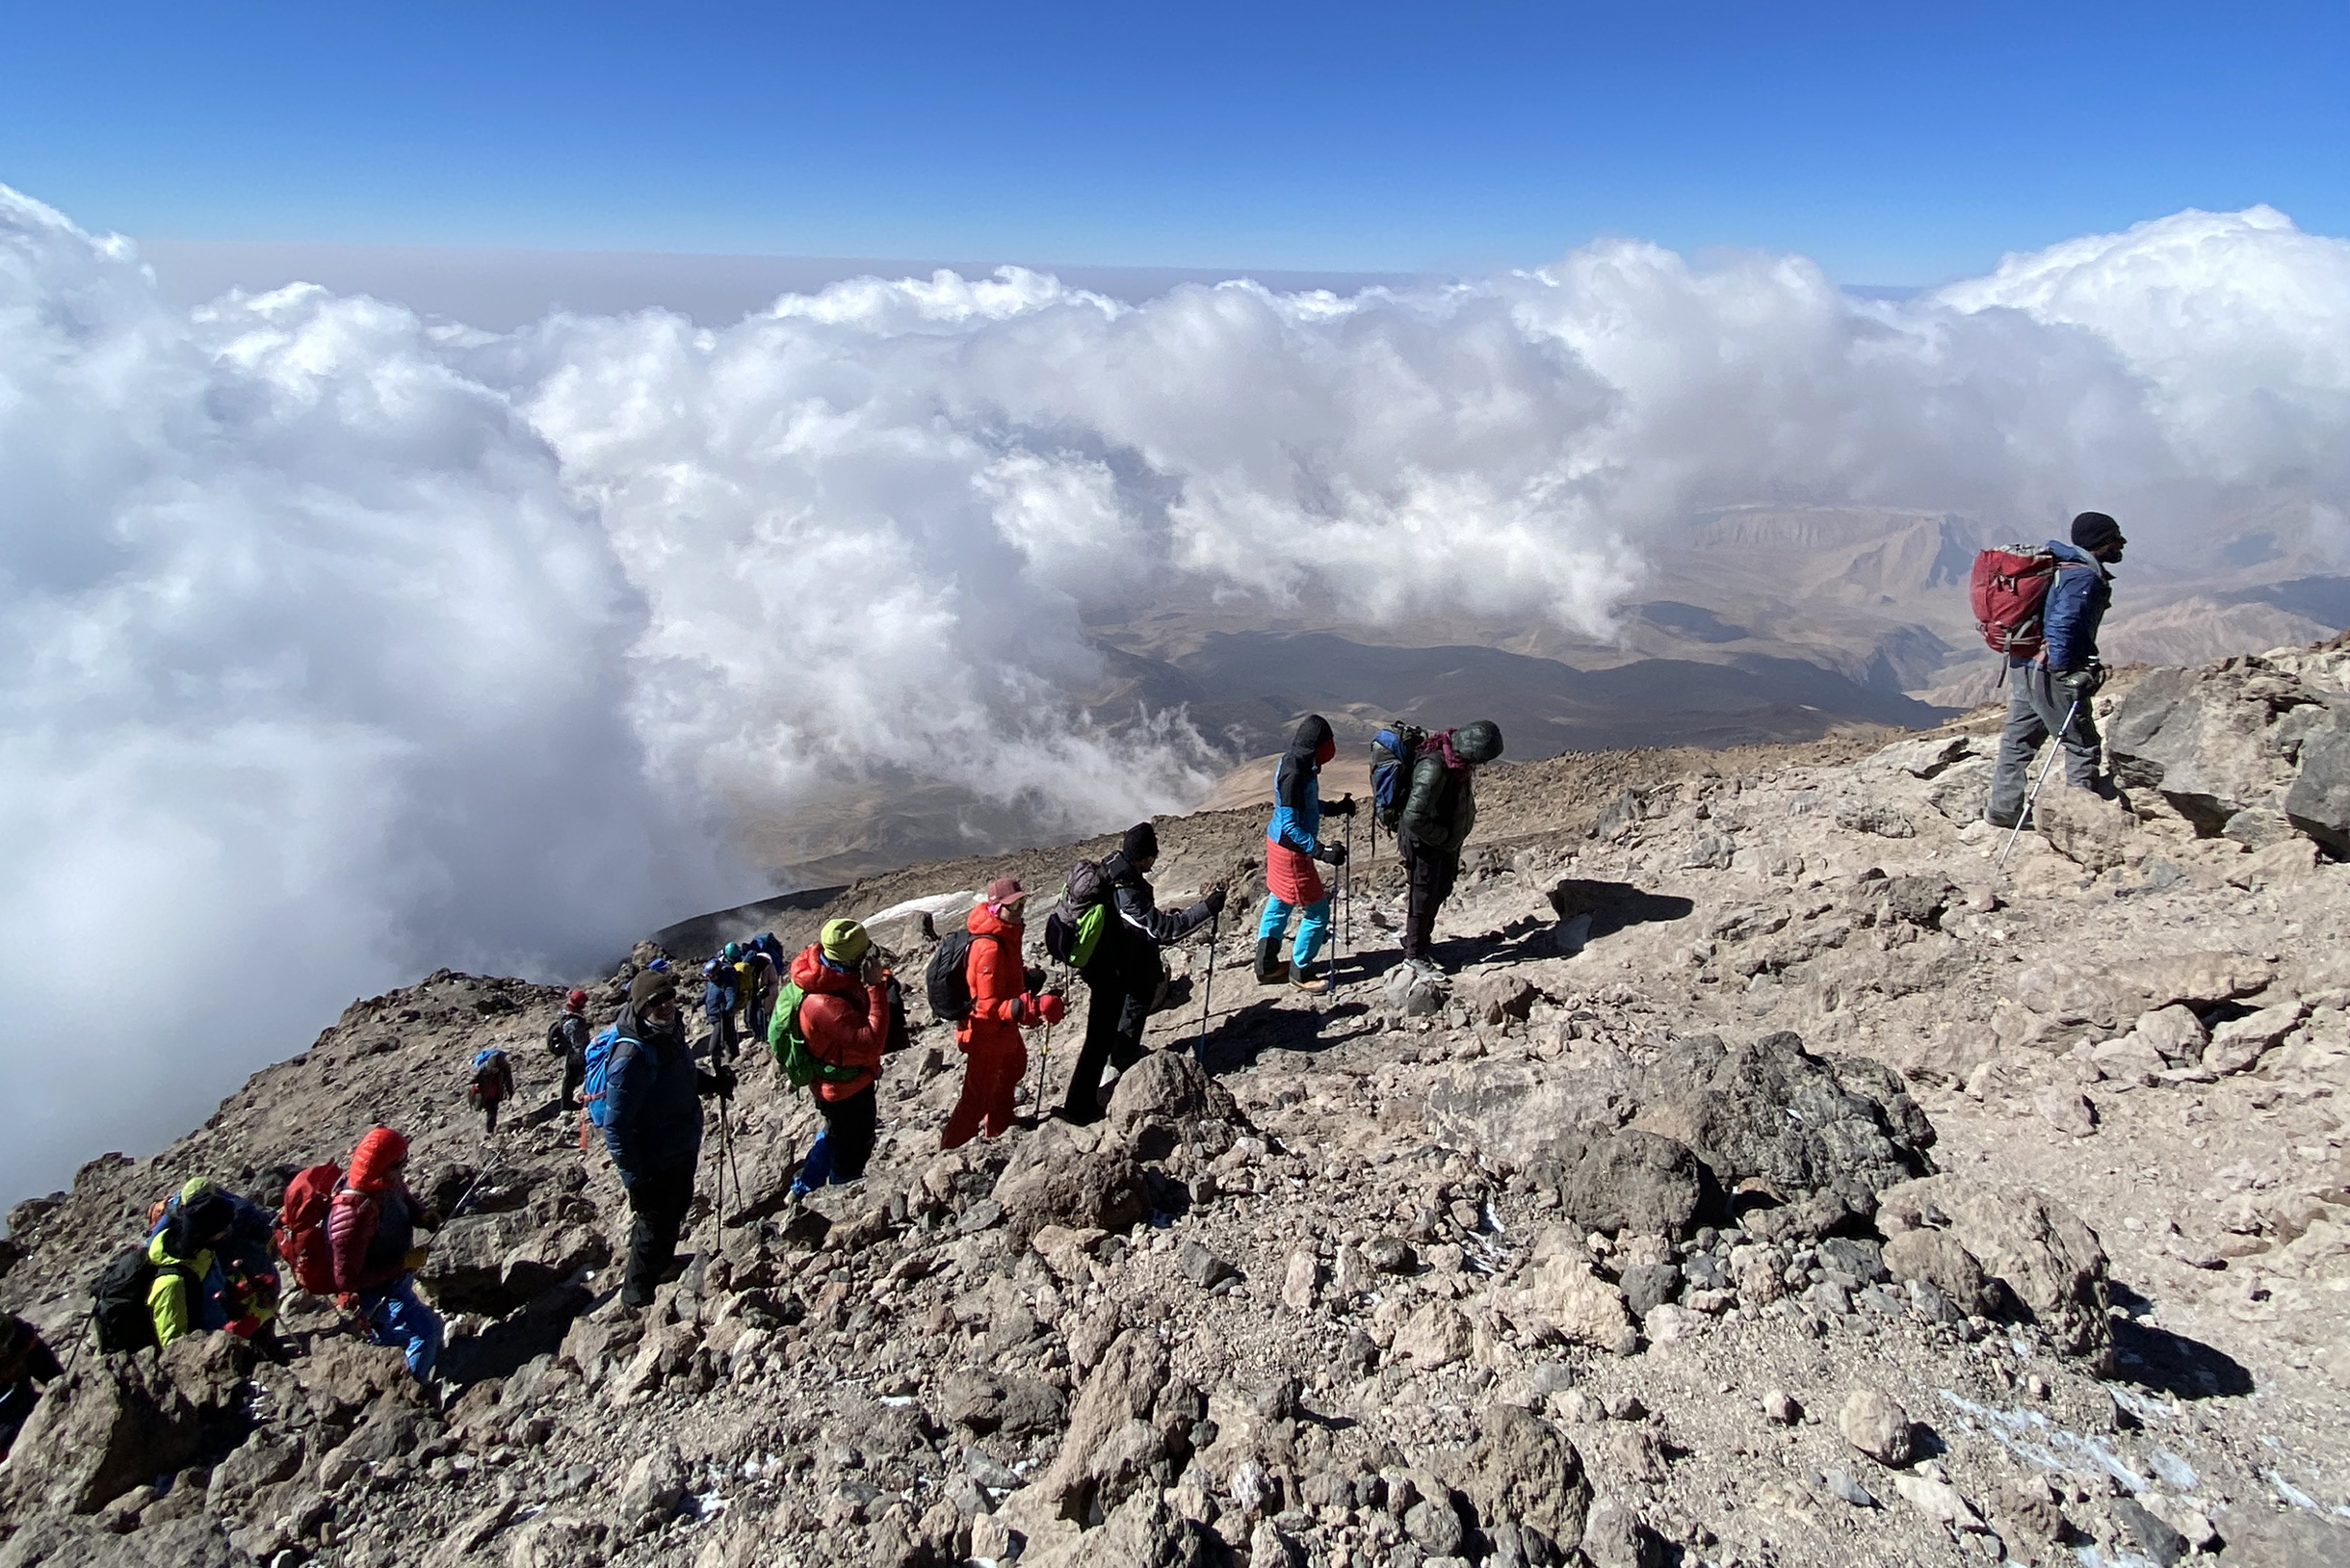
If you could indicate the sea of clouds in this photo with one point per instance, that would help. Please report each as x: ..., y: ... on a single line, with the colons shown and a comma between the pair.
x: 337, y: 644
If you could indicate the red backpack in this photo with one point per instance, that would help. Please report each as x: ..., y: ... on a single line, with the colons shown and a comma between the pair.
x: 301, y: 1227
x: 2009, y: 589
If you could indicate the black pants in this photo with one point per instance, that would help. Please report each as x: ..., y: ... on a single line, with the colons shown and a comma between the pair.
x: 489, y: 1118
x: 658, y: 1200
x: 575, y: 1074
x: 1114, y: 1016
x: 850, y: 1127
x: 1429, y: 875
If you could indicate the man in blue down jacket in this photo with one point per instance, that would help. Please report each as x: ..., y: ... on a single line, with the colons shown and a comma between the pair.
x: 654, y: 1128
x: 2064, y: 676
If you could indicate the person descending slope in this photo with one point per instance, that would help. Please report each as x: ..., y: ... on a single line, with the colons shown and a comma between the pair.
x: 493, y: 1081
x: 722, y: 996
x: 1124, y: 974
x: 652, y: 1125
x: 372, y: 1230
x: 1292, y: 846
x: 2057, y: 679
x: 1438, y: 815
x: 567, y: 1038
x: 1004, y: 998
x: 844, y: 1012
x: 25, y: 1364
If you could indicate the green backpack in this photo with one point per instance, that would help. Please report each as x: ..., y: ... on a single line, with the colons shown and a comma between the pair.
x: 800, y: 1065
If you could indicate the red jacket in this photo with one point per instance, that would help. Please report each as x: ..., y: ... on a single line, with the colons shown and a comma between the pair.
x: 997, y: 977
x: 837, y: 1029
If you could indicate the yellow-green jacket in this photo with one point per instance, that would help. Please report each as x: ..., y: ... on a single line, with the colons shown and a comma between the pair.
x: 176, y: 1299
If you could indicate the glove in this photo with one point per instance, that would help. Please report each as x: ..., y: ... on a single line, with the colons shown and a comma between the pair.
x: 1332, y: 853
x: 1214, y: 901
x: 1344, y: 806
x: 1048, y: 1008
x: 1033, y: 979
x: 720, y: 1082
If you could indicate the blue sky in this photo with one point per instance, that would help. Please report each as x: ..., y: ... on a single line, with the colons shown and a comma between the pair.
x: 1899, y: 144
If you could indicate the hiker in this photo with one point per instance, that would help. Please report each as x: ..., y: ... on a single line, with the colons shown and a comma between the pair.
x: 372, y: 1230
x: 1005, y: 996
x: 567, y: 1037
x: 845, y: 1014
x: 26, y: 1363
x: 721, y: 996
x: 246, y: 1267
x: 1124, y: 975
x: 1435, y: 822
x: 2062, y: 677
x: 1292, y: 846
x: 188, y: 1294
x: 493, y: 1080
x: 653, y: 1127
x: 761, y: 978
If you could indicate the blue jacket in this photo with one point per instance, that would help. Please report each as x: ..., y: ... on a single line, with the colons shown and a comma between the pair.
x: 653, y: 1089
x: 2076, y: 608
x: 1297, y: 789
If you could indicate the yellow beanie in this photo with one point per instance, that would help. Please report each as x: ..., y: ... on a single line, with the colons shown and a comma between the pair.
x: 843, y: 941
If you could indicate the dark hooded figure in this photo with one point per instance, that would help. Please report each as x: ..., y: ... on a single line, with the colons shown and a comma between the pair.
x: 1292, y: 843
x: 1124, y: 975
x: 1437, y: 818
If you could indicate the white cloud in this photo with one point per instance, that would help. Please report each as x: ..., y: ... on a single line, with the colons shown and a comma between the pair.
x: 335, y: 644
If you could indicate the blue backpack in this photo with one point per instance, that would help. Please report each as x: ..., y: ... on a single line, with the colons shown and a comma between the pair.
x: 1393, y: 750
x: 600, y: 1050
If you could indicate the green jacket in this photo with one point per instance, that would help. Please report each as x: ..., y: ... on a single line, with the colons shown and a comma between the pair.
x: 173, y: 1301
x: 1441, y: 808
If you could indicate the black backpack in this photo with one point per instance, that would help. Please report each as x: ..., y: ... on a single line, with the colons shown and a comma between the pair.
x: 119, y: 1309
x: 947, y: 981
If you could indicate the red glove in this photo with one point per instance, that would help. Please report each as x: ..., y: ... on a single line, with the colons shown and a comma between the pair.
x: 1047, y: 1009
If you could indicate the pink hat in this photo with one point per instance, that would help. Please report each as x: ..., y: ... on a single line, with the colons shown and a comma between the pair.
x: 1004, y: 889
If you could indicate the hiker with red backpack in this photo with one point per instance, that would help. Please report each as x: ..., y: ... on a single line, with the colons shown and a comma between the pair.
x: 1123, y: 972
x: 1000, y: 996
x: 650, y: 1110
x: 840, y: 997
x: 370, y: 1234
x: 2043, y: 610
x: 1439, y: 810
x: 1292, y: 845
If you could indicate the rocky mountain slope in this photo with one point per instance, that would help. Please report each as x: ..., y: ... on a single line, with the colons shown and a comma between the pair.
x: 1782, y: 1178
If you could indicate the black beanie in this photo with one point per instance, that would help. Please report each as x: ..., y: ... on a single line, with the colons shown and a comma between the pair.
x: 2093, y: 530
x: 1142, y: 842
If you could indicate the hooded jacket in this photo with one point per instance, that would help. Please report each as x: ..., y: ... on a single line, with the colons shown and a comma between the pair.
x: 652, y: 1092
x: 2076, y: 608
x: 845, y: 1021
x: 372, y: 1224
x: 1441, y: 808
x: 1296, y: 823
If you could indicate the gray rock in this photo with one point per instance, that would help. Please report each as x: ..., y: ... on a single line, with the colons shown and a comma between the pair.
x: 1874, y: 1422
x: 2150, y: 1534
x: 1842, y: 1486
x: 2050, y: 1263
x: 111, y: 1423
x: 1649, y: 1286
x: 1521, y: 1468
x: 652, y: 1489
x: 1864, y: 1260
x: 1201, y: 1267
x: 1434, y: 1528
x: 2318, y: 803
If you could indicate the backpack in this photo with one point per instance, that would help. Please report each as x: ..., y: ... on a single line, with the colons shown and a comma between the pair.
x: 1074, y: 927
x: 1393, y: 752
x: 119, y: 1309
x: 802, y: 1065
x: 2009, y: 592
x: 598, y: 1070
x: 301, y: 1227
x: 558, y: 1043
x: 947, y: 981
x: 489, y: 1078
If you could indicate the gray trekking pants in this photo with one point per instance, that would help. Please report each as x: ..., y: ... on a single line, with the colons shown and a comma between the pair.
x: 2036, y: 704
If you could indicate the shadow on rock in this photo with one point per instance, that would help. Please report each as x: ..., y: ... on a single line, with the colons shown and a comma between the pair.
x: 2168, y: 1363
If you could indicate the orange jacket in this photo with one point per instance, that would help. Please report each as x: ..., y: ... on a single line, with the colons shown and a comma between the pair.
x: 997, y: 977
x: 837, y: 1029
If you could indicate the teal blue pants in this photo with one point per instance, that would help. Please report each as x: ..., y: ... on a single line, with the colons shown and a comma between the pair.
x: 1313, y: 927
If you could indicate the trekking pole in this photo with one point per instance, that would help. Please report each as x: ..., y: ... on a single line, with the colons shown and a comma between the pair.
x: 479, y: 1177
x: 1207, y: 990
x: 2055, y: 750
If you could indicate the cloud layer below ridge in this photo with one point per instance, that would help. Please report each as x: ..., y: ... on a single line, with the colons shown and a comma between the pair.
x: 337, y: 644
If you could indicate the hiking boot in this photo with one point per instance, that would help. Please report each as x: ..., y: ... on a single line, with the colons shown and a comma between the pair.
x: 1310, y: 978
x: 1271, y: 968
x: 1428, y: 966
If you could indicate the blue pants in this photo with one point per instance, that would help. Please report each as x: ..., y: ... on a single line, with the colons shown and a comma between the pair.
x: 397, y: 1318
x: 1313, y: 927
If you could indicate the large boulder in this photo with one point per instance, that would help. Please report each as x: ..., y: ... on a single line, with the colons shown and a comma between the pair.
x: 1168, y: 1098
x: 1128, y: 1434
x: 1649, y: 1140
x: 1522, y: 1471
x: 2223, y: 740
x: 2050, y: 1265
x: 1077, y: 1177
x: 112, y: 1424
x: 2319, y: 801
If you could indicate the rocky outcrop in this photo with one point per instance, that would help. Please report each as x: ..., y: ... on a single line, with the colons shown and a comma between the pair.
x: 2247, y: 749
x: 1963, y: 1237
